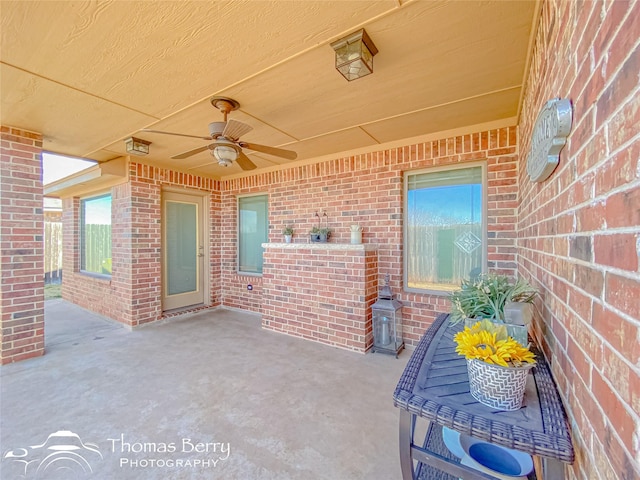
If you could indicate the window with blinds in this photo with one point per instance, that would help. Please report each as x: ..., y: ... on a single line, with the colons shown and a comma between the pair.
x: 444, y: 227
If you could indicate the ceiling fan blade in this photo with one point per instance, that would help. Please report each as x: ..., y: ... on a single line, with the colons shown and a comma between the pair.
x: 235, y: 129
x: 176, y: 134
x: 244, y: 162
x: 278, y: 152
x: 180, y: 156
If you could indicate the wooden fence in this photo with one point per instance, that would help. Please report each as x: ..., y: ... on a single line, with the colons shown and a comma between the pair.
x: 97, y: 248
x: 438, y: 254
x: 52, y: 252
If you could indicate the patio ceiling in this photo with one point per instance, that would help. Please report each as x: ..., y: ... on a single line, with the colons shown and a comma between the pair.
x: 87, y: 75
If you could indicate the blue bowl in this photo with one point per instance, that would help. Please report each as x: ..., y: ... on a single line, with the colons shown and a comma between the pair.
x: 495, y: 458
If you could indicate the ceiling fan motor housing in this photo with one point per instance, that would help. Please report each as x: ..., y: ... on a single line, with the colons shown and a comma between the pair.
x: 216, y: 129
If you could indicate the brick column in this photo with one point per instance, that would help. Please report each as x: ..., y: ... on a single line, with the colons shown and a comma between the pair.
x: 21, y: 246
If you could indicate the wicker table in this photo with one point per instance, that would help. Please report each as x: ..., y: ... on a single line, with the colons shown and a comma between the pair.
x: 435, y: 387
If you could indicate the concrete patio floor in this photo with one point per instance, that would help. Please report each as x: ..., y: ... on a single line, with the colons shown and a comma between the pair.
x: 206, y: 395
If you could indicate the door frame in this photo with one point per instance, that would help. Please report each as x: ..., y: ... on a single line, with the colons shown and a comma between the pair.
x: 206, y: 237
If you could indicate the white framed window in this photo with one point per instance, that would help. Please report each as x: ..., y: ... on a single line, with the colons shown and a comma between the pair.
x: 253, y: 228
x: 95, y: 235
x: 445, y: 238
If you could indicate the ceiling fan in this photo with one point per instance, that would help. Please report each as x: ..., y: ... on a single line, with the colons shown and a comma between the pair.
x: 227, y: 146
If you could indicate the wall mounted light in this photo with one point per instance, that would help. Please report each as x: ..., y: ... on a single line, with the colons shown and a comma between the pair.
x: 137, y: 146
x: 354, y: 55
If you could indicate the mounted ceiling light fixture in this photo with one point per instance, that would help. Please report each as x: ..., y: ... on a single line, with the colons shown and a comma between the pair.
x: 354, y: 55
x: 137, y: 146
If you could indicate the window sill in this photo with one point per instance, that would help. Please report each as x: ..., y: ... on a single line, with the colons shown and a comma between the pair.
x: 248, y: 274
x: 97, y: 276
x: 438, y: 293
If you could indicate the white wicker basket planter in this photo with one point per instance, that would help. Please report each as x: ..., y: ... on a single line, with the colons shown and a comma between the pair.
x: 498, y: 387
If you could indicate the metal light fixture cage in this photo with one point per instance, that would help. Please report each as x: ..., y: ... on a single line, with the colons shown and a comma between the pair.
x: 386, y: 316
x: 137, y: 146
x: 354, y: 55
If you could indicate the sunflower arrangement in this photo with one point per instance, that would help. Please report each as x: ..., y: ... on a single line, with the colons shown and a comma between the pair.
x: 491, y: 344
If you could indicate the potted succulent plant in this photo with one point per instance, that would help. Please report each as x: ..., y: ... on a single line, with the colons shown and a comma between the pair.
x: 319, y: 234
x: 497, y: 364
x: 288, y: 233
x: 487, y: 295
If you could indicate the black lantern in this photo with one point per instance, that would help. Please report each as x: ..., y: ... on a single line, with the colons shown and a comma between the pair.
x: 387, y: 322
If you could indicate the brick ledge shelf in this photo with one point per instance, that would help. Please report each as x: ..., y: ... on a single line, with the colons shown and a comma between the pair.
x: 325, y: 246
x: 321, y: 292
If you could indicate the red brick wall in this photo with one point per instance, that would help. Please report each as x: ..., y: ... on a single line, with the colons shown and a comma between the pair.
x: 579, y: 231
x: 364, y: 189
x: 215, y: 251
x: 367, y: 189
x: 21, y: 246
x: 133, y: 293
x: 320, y: 293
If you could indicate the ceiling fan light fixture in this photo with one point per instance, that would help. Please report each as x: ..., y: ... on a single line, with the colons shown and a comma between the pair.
x: 137, y: 146
x: 223, y: 162
x: 354, y: 55
x: 225, y: 154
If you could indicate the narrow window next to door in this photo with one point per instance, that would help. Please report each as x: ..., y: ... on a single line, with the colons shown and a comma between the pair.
x: 252, y: 232
x: 95, y: 235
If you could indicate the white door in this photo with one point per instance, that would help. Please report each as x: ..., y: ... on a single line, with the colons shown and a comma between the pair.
x: 183, y: 250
